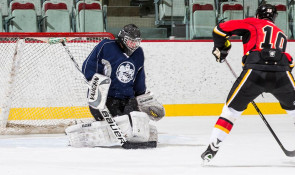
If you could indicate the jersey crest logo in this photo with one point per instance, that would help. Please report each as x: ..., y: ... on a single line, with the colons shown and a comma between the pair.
x: 125, y: 72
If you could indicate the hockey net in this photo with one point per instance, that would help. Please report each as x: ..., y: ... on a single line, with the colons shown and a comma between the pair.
x: 41, y: 90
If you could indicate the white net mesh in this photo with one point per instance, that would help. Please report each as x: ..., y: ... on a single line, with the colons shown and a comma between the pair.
x: 41, y: 90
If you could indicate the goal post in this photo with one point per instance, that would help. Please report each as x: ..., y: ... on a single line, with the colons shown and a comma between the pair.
x: 41, y: 90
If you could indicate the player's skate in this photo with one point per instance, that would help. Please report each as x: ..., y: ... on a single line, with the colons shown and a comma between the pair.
x: 211, y: 151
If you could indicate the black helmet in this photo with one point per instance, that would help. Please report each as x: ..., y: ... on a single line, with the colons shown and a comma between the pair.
x: 267, y: 11
x: 129, y: 37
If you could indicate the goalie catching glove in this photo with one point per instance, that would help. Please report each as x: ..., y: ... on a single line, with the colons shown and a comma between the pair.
x: 221, y: 53
x: 148, y: 104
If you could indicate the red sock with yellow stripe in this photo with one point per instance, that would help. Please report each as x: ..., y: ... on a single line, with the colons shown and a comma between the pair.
x: 221, y: 129
x: 224, y: 125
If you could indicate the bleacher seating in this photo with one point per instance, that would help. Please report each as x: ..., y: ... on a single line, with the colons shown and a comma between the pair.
x: 89, y: 17
x: 171, y: 9
x: 231, y: 10
x: 282, y: 20
x: 4, y: 6
x: 23, y: 17
x: 292, y: 19
x: 3, y: 13
x: 203, y: 20
x: 56, y: 17
x: 275, y: 2
x: 37, y: 4
x: 250, y: 7
x: 203, y: 1
x: 70, y: 4
x: 51, y: 16
x: 1, y: 22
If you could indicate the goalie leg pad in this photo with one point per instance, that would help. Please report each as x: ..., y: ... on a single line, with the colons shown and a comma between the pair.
x: 153, y: 133
x: 98, y: 91
x: 134, y: 127
x: 91, y: 135
x: 148, y: 104
x: 151, y: 143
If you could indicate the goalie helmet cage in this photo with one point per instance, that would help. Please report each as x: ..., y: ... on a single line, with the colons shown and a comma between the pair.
x: 41, y: 90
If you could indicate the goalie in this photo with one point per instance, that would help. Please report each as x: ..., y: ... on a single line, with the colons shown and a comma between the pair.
x: 115, y: 70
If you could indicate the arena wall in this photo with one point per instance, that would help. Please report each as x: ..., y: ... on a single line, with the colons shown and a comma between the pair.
x: 185, y: 77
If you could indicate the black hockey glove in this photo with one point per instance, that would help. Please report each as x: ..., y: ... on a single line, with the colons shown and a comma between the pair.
x: 221, y: 53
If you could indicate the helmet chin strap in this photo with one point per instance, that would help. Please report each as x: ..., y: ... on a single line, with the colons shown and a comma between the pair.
x: 265, y: 19
x: 121, y: 45
x: 125, y: 49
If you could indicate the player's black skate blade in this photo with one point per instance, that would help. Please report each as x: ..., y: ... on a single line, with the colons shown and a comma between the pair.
x: 140, y: 145
x: 208, y: 154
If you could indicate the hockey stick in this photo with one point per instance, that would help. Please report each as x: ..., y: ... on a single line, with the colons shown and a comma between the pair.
x: 288, y: 153
x: 104, y: 111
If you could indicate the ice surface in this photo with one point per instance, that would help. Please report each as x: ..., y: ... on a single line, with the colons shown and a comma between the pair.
x: 250, y: 149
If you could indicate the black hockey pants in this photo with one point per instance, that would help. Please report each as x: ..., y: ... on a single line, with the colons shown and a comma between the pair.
x: 251, y: 83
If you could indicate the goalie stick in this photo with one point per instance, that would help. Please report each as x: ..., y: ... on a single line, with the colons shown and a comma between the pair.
x: 104, y: 111
x: 288, y: 153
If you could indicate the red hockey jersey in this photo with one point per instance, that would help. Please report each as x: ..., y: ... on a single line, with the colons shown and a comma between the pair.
x: 257, y: 34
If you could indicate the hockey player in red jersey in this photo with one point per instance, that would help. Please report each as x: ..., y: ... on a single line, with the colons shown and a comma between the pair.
x: 266, y: 68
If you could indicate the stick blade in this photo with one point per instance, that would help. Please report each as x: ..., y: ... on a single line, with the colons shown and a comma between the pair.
x: 289, y: 153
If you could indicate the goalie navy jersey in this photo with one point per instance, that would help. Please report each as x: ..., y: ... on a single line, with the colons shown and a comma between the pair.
x: 126, y: 72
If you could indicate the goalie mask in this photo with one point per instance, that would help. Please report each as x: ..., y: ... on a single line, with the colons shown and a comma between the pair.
x: 129, y: 38
x: 267, y: 11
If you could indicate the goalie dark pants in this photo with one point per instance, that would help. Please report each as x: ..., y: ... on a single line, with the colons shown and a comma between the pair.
x: 116, y: 107
x: 251, y: 83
